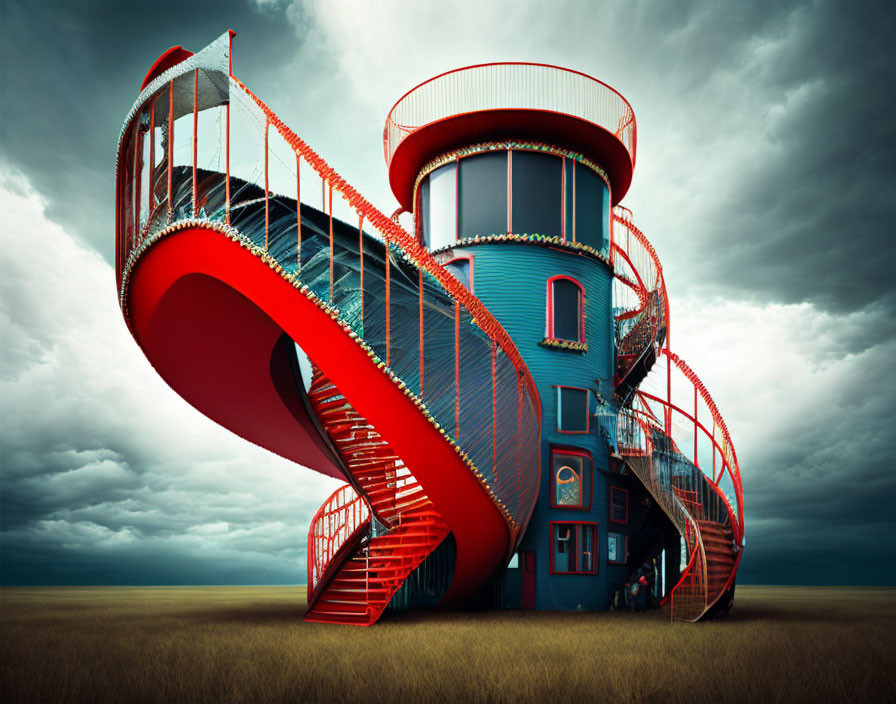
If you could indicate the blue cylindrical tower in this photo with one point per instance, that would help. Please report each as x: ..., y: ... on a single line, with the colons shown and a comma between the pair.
x: 511, y: 172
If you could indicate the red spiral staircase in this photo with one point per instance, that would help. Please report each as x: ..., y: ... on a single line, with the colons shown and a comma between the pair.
x: 690, y: 469
x: 236, y: 243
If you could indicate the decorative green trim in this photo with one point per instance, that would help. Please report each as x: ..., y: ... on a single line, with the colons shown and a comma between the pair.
x: 567, y: 345
x: 541, y: 240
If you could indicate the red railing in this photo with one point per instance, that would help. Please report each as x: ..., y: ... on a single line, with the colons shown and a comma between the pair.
x: 672, y: 407
x: 199, y: 148
x: 640, y: 303
x: 340, y: 521
x: 511, y: 85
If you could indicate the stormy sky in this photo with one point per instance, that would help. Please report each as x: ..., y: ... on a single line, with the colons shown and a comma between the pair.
x: 765, y: 180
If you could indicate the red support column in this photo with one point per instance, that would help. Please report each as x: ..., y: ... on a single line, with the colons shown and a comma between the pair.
x: 494, y: 410
x: 227, y: 159
x: 152, y: 160
x: 420, y: 285
x: 267, y: 211
x: 137, y: 189
x: 195, y: 130
x: 457, y: 371
x: 388, y: 312
x: 170, y: 145
x: 668, y: 410
x: 331, y: 242
x: 361, y: 256
x: 298, y: 212
x: 696, y: 429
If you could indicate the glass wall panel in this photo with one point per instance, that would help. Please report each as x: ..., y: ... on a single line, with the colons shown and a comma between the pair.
x: 537, y: 193
x: 590, y: 209
x: 564, y: 540
x: 586, y: 555
x: 568, y: 184
x: 440, y: 227
x: 483, y: 194
x: 160, y: 148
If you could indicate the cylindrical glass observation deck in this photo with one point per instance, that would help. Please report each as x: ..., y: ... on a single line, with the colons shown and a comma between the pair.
x: 509, y: 101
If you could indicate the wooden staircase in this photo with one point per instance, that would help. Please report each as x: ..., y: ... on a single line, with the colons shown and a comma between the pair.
x: 361, y: 588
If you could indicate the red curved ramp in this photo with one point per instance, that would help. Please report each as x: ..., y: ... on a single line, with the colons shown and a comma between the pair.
x: 245, y: 242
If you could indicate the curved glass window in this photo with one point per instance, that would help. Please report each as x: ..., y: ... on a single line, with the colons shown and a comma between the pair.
x: 590, y: 209
x: 482, y: 185
x: 438, y: 205
x: 537, y: 193
x: 518, y: 190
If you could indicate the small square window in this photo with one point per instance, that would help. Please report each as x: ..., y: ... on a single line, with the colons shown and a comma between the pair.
x: 617, y: 548
x: 573, y: 548
x: 618, y: 505
x: 570, y: 478
x: 572, y: 409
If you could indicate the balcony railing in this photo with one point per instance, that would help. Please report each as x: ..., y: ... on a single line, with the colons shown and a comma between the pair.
x: 511, y: 85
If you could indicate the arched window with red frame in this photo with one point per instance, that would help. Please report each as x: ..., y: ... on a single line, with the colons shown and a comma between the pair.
x: 565, y: 309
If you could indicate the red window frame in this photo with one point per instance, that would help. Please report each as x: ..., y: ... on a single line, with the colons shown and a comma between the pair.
x: 549, y: 317
x: 595, y: 562
x: 469, y: 258
x: 624, y: 560
x: 624, y: 491
x: 586, y: 480
x: 587, y: 411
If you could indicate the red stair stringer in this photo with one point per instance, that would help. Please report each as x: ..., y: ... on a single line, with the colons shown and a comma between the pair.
x: 210, y: 314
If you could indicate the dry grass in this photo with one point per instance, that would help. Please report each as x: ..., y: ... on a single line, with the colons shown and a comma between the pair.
x: 234, y: 644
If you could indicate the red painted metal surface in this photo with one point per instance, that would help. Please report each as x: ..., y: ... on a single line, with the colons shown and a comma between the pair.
x: 170, y: 58
x: 216, y: 314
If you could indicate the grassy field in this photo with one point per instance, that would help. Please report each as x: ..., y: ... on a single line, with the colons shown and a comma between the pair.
x: 236, y: 644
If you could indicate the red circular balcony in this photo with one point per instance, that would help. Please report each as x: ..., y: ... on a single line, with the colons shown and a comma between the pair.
x: 521, y: 101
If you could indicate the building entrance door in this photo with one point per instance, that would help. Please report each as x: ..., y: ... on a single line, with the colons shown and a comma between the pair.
x: 528, y: 559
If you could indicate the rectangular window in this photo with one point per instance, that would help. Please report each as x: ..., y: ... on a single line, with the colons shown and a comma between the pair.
x: 618, y: 505
x: 590, y: 214
x: 572, y: 409
x: 482, y: 184
x: 573, y: 548
x: 536, y: 192
x: 570, y: 478
x: 617, y: 548
x: 568, y: 183
x: 439, y: 205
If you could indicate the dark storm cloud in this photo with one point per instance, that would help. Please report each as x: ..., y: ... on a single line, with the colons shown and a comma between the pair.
x: 812, y: 217
x: 765, y: 168
x: 71, y: 71
x: 102, y: 464
x: 821, y: 491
